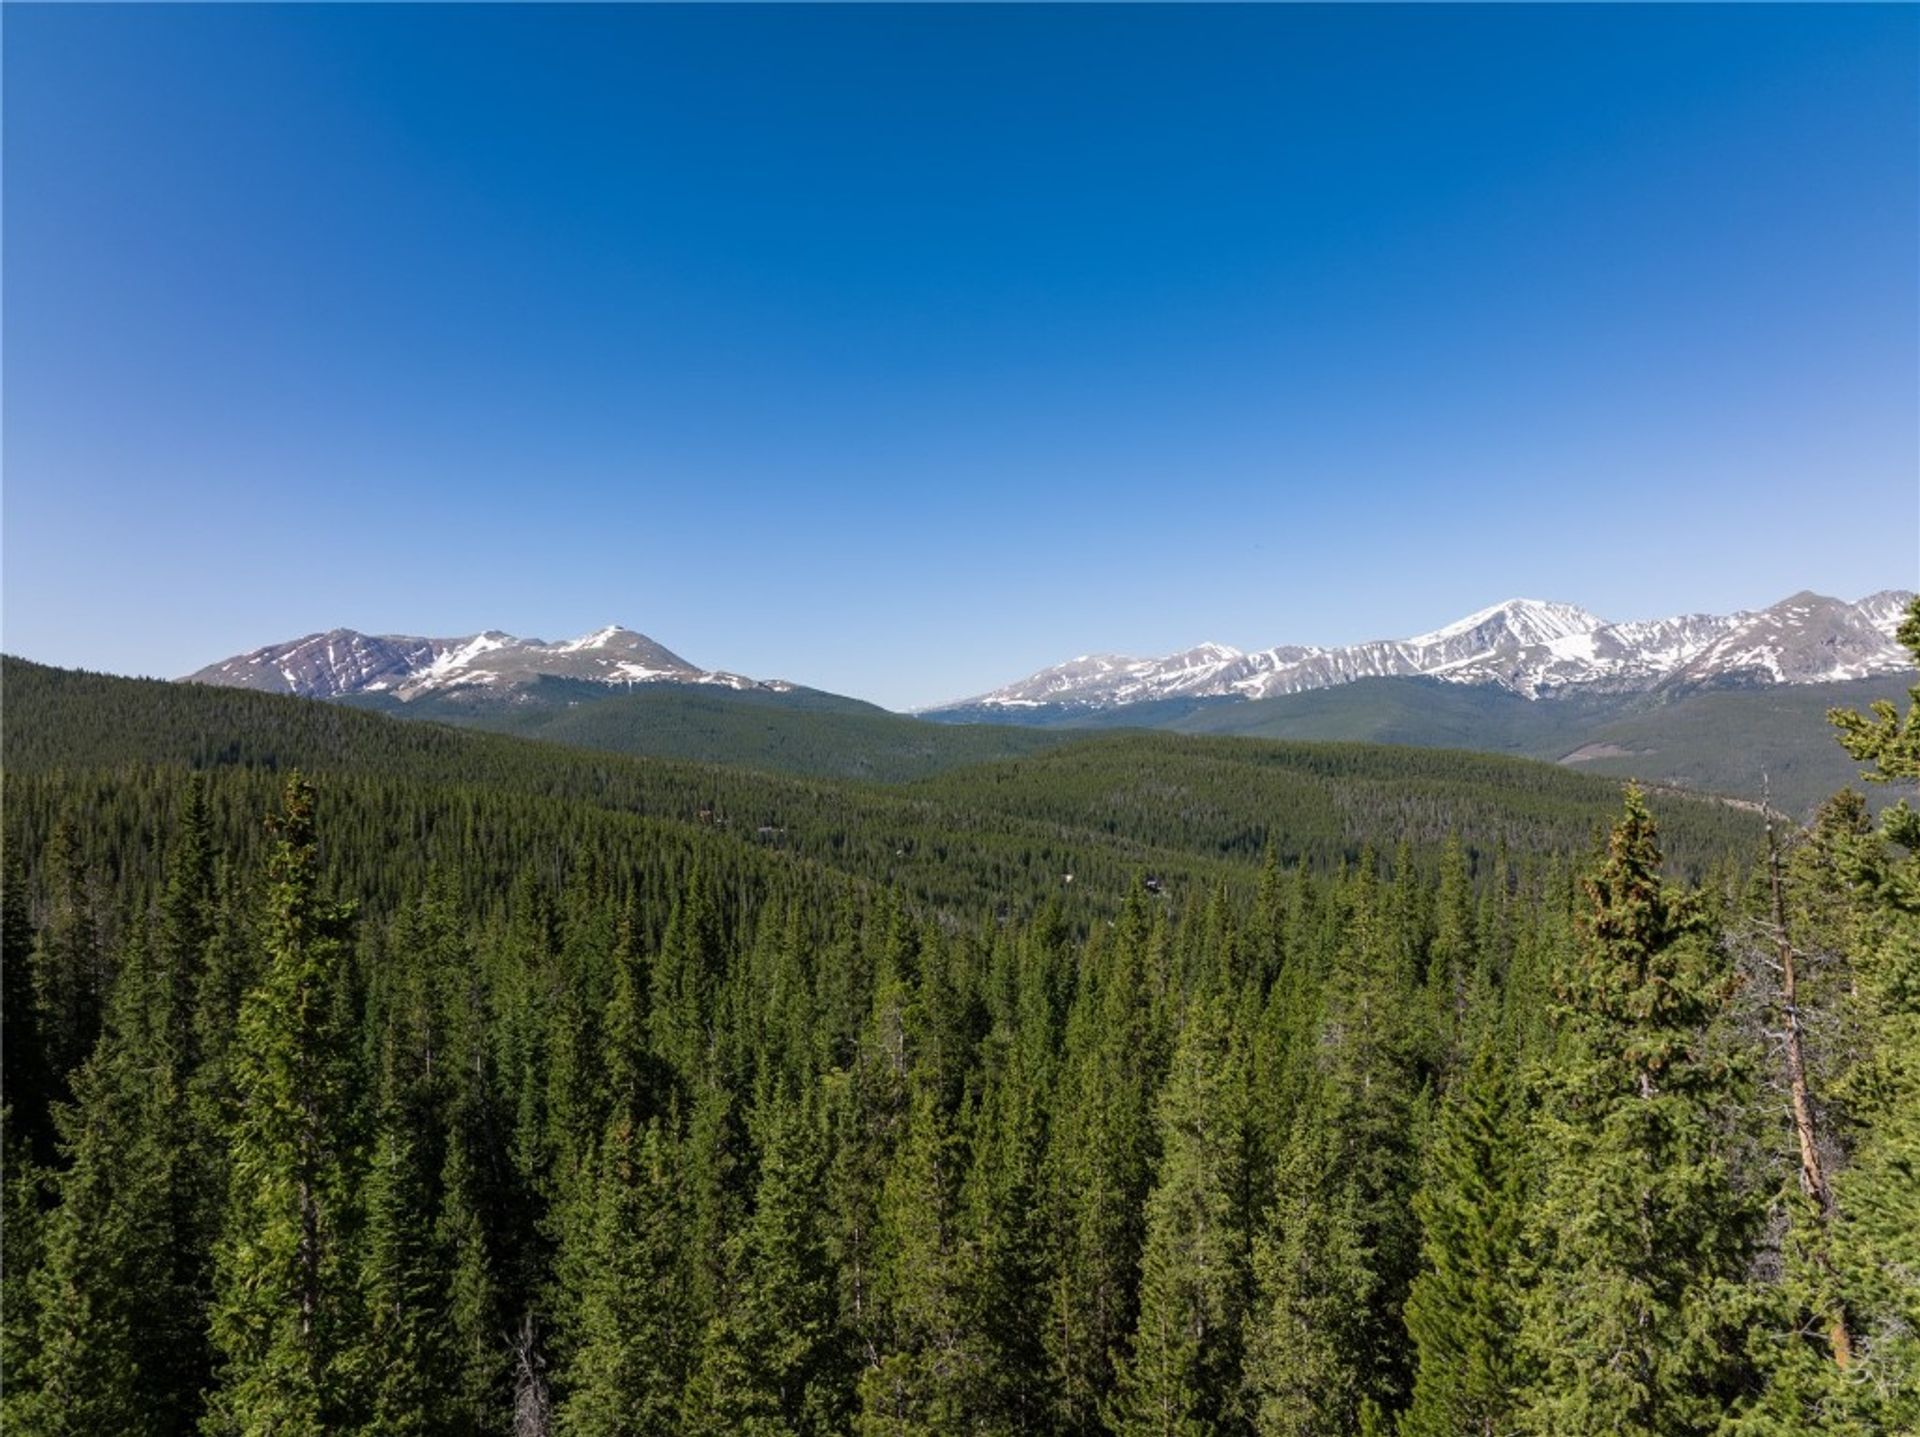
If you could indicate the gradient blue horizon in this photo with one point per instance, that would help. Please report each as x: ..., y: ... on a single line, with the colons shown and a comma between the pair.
x: 901, y: 351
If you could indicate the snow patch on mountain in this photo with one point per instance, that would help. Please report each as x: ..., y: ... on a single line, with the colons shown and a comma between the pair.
x: 1530, y: 621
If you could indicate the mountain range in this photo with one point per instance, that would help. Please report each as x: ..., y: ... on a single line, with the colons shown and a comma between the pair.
x: 1528, y: 647
x: 342, y: 663
x: 1732, y: 704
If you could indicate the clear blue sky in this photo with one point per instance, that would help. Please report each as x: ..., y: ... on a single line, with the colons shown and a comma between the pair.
x: 902, y: 351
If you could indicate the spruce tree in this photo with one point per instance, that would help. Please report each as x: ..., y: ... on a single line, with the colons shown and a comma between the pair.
x: 284, y: 1292
x: 114, y: 1340
x: 1464, y: 1309
x: 1371, y: 1092
x: 868, y: 1111
x: 1181, y: 1374
x: 68, y: 964
x: 26, y: 1077
x: 773, y: 1366
x: 1642, y: 1232
x: 23, y: 1184
x: 186, y: 927
x: 401, y: 1360
x: 921, y: 1375
x: 690, y: 966
x: 629, y: 1364
x: 1875, y: 1235
x: 1100, y: 1165
x: 1004, y: 1274
x: 1314, y: 1292
x: 122, y: 1294
x: 476, y: 1327
x: 1451, y: 956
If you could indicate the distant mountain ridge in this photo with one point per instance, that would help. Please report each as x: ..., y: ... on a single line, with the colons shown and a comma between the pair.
x: 1529, y: 647
x: 344, y: 663
x: 1732, y: 703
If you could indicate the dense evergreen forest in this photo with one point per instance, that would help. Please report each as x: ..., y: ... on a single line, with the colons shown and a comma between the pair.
x: 801, y: 731
x: 367, y: 1076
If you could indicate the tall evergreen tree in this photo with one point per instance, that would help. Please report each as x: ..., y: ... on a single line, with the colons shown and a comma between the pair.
x: 401, y: 1360
x: 1464, y: 1309
x: 1182, y: 1373
x: 1451, y: 956
x: 690, y: 966
x: 23, y: 1183
x: 123, y: 1292
x: 1371, y: 1037
x: 1315, y: 1287
x: 1100, y: 1164
x: 773, y: 1361
x: 284, y: 1291
x: 69, y: 964
x: 476, y: 1327
x: 1875, y: 1232
x: 921, y: 1375
x: 868, y: 1110
x: 1005, y: 1259
x: 115, y: 1349
x: 630, y: 1361
x: 26, y: 1077
x: 1641, y: 1229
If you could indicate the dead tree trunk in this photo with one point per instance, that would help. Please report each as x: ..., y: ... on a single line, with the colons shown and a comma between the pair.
x: 1813, y: 1178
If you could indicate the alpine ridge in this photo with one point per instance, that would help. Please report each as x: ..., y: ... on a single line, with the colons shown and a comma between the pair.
x: 1530, y: 647
x: 341, y: 663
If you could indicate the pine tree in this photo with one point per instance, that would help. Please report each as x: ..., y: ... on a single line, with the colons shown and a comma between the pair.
x: 112, y: 1323
x: 476, y: 1330
x: 232, y: 965
x: 185, y: 938
x: 868, y: 1111
x: 1281, y: 1068
x: 1641, y: 1230
x: 23, y: 1184
x: 629, y: 1078
x: 625, y: 1376
x: 690, y: 966
x: 1314, y: 1287
x: 1464, y: 1309
x: 186, y: 927
x: 401, y: 1360
x: 1100, y: 1163
x: 713, y: 1157
x: 68, y: 965
x: 1004, y: 1273
x: 1801, y: 992
x: 921, y: 1376
x: 123, y: 1292
x: 772, y: 1366
x: 1451, y: 956
x: 1181, y: 1374
x: 1875, y: 1234
x: 1372, y: 1097
x: 284, y: 1299
x: 26, y: 1078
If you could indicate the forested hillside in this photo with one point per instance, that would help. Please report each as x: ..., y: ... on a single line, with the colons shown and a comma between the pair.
x: 800, y: 731
x: 462, y: 1083
x: 991, y: 838
x: 1748, y: 741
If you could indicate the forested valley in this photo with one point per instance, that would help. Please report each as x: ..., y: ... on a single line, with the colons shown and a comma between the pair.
x: 370, y: 1077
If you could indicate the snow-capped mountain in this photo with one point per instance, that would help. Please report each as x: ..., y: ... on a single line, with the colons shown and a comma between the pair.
x: 1528, y: 646
x: 344, y: 662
